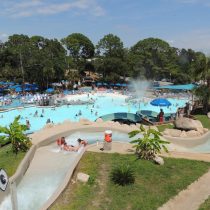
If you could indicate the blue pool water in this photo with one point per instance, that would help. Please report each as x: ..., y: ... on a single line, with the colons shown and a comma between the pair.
x: 104, y: 104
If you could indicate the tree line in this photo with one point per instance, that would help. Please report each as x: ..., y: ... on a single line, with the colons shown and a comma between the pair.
x: 43, y: 61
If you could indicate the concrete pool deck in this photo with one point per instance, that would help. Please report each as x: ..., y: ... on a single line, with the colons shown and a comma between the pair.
x: 126, y: 148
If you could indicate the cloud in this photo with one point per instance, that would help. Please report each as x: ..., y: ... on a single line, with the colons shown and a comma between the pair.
x: 197, y: 40
x: 3, y: 36
x: 23, y: 8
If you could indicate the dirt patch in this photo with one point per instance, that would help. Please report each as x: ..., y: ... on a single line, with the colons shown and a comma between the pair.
x: 102, y: 184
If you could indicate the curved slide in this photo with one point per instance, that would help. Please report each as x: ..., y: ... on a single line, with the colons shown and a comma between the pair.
x: 46, y: 172
x: 120, y: 116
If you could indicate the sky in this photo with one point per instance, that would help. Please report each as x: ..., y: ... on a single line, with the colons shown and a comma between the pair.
x: 182, y: 23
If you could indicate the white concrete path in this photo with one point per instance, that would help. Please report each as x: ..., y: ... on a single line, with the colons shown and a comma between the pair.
x: 192, y: 197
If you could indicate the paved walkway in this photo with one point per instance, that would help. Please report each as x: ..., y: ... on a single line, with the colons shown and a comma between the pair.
x: 192, y: 197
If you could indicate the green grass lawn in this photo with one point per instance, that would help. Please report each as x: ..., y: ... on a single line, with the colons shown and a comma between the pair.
x: 161, y: 128
x: 205, y: 205
x: 8, y: 160
x: 154, y: 184
x: 204, y: 120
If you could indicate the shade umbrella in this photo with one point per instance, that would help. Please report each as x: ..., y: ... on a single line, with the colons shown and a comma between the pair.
x: 50, y: 90
x: 118, y: 85
x: 18, y: 89
x: 14, y: 86
x: 160, y: 102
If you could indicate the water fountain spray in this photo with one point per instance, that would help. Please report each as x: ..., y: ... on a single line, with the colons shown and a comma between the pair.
x: 140, y: 87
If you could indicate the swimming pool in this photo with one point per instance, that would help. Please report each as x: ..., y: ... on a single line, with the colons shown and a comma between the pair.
x: 104, y: 104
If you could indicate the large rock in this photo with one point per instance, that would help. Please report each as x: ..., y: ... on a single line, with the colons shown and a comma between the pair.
x: 82, y: 177
x: 187, y: 124
x: 192, y: 133
x: 84, y: 121
x: 206, y: 130
x: 48, y: 125
x: 183, y: 134
x: 99, y: 120
x: 172, y: 132
x: 159, y: 160
x: 201, y: 131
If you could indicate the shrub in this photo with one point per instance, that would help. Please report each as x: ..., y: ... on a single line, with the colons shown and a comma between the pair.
x: 15, y: 135
x: 149, y: 145
x: 122, y: 175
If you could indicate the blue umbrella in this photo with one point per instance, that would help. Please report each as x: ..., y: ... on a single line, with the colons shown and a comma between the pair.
x: 27, y: 89
x: 18, y: 89
x: 160, y: 102
x: 50, y: 90
x: 14, y: 86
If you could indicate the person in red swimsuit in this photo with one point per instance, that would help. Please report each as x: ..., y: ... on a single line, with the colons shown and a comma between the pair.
x: 161, y: 116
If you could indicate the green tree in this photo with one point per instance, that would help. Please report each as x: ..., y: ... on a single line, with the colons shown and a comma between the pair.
x: 150, y: 57
x: 20, y: 47
x: 149, y: 145
x: 80, y: 48
x: 111, y: 58
x: 203, y: 93
x: 15, y: 135
x: 110, y: 46
x: 47, y: 62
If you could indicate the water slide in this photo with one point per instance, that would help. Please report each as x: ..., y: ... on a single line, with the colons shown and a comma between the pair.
x: 120, y: 116
x: 45, y: 174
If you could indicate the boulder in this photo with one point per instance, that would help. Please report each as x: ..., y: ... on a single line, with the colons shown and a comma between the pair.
x: 187, y: 124
x: 99, y: 120
x: 208, y: 115
x: 206, y: 130
x: 172, y: 132
x: 48, y: 125
x: 183, y: 134
x: 201, y: 131
x: 166, y: 132
x: 192, y: 133
x: 158, y: 160
x: 134, y: 127
x: 82, y: 177
x: 84, y: 121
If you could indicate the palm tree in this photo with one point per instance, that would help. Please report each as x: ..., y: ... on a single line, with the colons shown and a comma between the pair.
x: 15, y: 135
x: 149, y: 145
